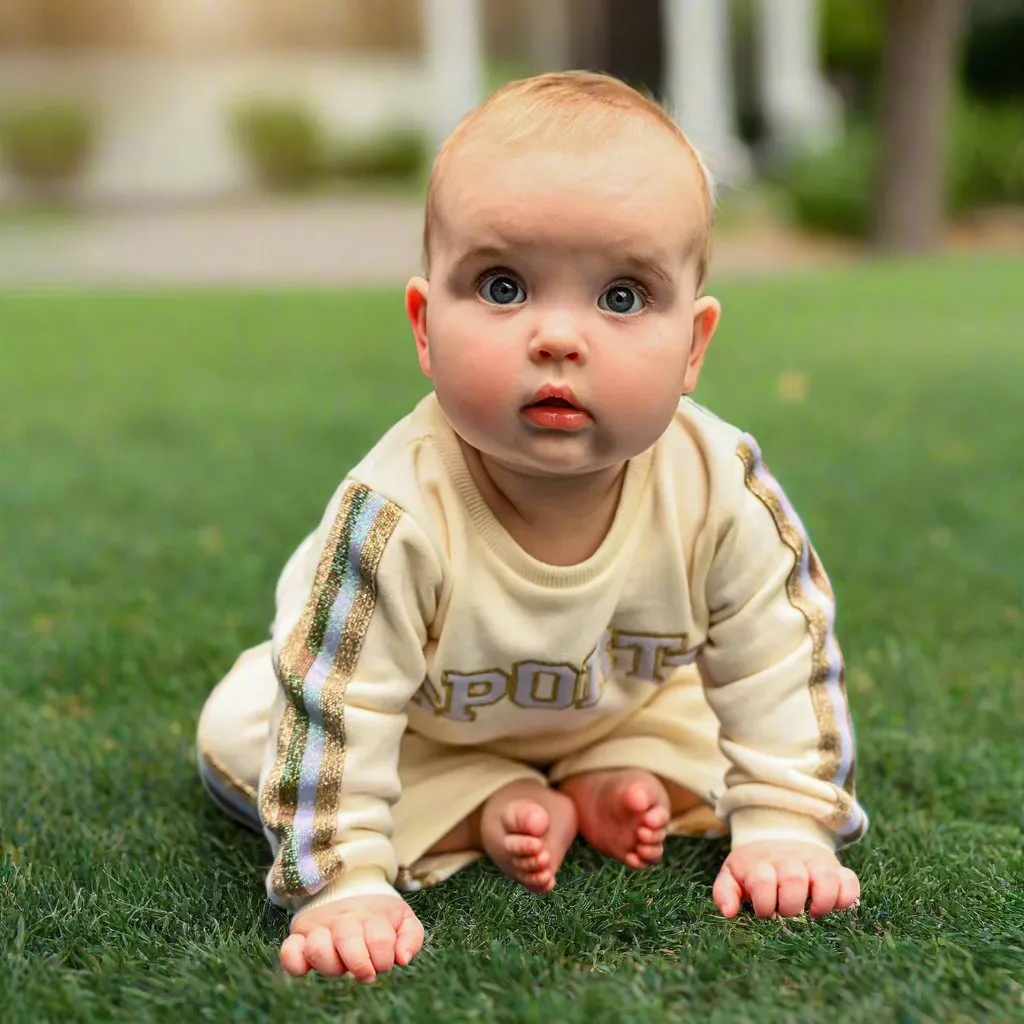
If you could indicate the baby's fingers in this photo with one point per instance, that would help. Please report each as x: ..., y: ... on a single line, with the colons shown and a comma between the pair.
x: 824, y: 892
x: 320, y: 952
x: 762, y: 885
x: 793, y: 885
x: 410, y: 939
x: 849, y: 889
x: 293, y: 955
x: 350, y: 942
x: 380, y: 941
x: 727, y: 893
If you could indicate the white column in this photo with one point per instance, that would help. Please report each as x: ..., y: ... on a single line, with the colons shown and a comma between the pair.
x: 801, y: 109
x: 454, y: 56
x: 699, y: 85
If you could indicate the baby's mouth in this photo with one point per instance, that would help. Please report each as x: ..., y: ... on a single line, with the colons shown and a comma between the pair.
x: 555, y: 396
x: 553, y: 403
x: 556, y: 408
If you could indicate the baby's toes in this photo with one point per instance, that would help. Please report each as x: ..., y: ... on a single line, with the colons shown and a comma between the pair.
x: 526, y: 818
x: 649, y: 853
x: 650, y: 836
x: 655, y: 818
x: 540, y: 881
x: 541, y: 862
x: 523, y: 846
x: 638, y: 798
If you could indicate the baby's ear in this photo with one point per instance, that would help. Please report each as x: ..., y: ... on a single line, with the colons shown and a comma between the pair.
x: 707, y: 311
x: 416, y: 310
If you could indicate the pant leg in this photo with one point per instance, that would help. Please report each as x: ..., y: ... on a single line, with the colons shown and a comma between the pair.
x: 441, y: 784
x: 232, y: 735
x: 673, y: 735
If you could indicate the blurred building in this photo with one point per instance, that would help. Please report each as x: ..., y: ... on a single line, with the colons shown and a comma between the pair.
x: 163, y: 74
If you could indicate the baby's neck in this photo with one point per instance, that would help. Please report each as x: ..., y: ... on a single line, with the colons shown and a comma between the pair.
x: 559, y: 520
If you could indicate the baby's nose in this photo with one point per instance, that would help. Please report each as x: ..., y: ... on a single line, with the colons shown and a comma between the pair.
x: 558, y: 342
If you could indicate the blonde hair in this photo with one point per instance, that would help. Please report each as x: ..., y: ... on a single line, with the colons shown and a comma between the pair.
x: 571, y: 106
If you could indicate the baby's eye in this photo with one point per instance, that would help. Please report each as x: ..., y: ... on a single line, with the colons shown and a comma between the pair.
x: 501, y: 289
x: 623, y: 299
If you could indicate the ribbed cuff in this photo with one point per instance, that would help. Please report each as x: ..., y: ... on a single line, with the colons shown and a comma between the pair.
x: 768, y: 824
x: 365, y: 881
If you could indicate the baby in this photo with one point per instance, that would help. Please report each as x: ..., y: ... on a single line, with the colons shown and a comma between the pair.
x: 559, y: 598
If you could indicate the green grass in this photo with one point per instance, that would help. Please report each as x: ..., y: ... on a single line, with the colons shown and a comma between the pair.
x: 160, y: 455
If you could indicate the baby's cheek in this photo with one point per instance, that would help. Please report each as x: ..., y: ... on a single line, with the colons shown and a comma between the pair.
x: 640, y: 394
x: 633, y: 385
x: 482, y: 385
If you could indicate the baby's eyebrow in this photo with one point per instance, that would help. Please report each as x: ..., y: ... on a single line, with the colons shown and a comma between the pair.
x: 637, y: 262
x: 479, y: 254
x: 647, y: 264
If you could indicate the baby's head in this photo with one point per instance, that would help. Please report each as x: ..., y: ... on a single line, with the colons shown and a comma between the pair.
x: 567, y: 238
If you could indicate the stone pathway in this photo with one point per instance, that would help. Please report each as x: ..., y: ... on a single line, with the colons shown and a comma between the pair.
x: 317, y: 242
x: 326, y: 241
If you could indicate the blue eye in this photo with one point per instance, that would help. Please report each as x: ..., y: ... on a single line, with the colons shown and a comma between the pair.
x: 501, y: 289
x: 623, y: 299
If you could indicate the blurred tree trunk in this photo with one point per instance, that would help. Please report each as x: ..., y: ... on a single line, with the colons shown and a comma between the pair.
x: 588, y: 34
x: 549, y: 34
x: 918, y: 65
x: 635, y: 44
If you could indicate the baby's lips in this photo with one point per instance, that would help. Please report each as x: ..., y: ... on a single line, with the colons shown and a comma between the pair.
x: 558, y: 394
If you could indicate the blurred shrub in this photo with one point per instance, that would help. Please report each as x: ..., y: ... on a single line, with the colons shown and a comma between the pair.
x: 990, y: 64
x: 283, y: 141
x: 392, y: 156
x: 831, y: 192
x: 46, y: 143
x: 851, y: 32
x: 986, y: 158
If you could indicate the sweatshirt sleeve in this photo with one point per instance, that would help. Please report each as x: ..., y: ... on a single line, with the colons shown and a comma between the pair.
x: 353, y: 609
x: 774, y: 673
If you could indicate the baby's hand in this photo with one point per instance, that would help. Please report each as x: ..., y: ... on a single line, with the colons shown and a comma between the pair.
x: 782, y: 875
x: 361, y: 935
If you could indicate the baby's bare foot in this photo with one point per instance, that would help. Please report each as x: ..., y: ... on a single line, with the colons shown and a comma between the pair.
x: 622, y: 813
x: 526, y: 830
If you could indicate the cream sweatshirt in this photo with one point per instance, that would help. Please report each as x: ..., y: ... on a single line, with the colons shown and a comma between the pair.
x: 411, y: 607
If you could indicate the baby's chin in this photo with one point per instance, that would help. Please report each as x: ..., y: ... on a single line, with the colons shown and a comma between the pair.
x: 554, y: 454
x: 557, y: 460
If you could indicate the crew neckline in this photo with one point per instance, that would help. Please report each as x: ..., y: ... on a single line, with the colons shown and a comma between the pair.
x: 506, y: 547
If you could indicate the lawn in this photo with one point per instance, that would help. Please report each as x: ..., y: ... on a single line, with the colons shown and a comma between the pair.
x: 160, y: 455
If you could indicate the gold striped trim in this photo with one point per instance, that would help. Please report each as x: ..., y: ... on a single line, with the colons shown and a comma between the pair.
x: 294, y: 661
x: 227, y: 778
x: 279, y: 803
x: 829, y: 746
x: 332, y: 699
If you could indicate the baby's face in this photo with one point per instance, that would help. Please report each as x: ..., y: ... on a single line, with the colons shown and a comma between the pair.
x: 560, y: 307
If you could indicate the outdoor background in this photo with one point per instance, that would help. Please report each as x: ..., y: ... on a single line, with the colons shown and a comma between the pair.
x: 207, y: 213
